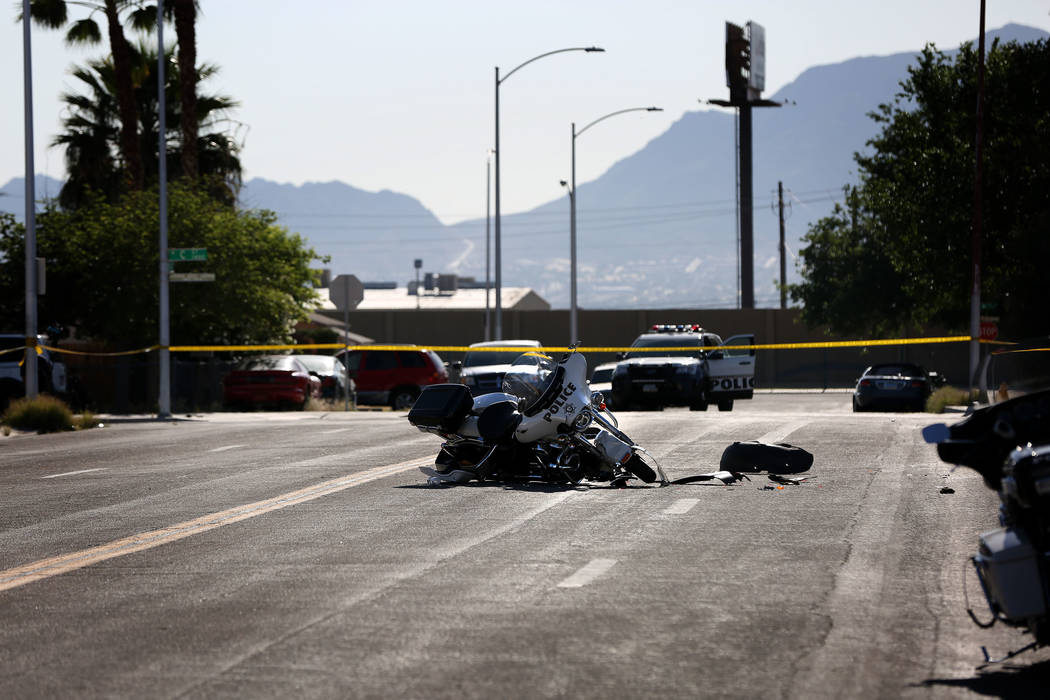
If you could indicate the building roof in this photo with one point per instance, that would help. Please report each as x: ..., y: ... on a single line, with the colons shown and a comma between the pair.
x: 348, y: 337
x: 512, y: 298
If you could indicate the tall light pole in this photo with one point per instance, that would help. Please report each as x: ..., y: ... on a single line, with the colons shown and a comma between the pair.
x: 572, y: 214
x: 164, y: 356
x: 498, y: 245
x: 488, y: 235
x: 31, y: 383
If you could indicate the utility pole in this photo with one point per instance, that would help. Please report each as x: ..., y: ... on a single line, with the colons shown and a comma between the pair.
x: 783, y: 248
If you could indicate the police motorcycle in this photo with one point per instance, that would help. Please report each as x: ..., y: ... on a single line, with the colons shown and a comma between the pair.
x: 1008, y: 443
x: 545, y: 425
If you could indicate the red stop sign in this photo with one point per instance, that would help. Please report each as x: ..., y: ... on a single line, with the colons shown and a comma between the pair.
x: 989, y: 330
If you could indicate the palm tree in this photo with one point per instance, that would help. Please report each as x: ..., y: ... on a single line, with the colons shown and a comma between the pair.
x: 91, y: 137
x: 186, y: 33
x: 54, y: 14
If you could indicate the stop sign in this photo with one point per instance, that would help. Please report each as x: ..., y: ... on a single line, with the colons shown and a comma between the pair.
x: 346, y: 292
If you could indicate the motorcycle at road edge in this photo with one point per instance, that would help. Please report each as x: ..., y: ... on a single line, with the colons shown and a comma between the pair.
x: 545, y: 425
x: 1008, y: 444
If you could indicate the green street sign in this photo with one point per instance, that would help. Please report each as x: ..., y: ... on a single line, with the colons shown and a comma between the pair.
x: 187, y: 254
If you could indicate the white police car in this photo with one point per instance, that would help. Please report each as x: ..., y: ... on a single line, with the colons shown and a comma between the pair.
x: 685, y: 365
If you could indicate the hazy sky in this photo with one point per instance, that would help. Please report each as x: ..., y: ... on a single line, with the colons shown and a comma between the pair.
x: 400, y: 95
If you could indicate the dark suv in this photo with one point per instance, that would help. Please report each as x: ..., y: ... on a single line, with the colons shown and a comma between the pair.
x: 393, y: 377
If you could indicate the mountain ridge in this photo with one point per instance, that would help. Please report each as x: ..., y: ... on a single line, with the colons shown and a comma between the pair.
x: 656, y: 229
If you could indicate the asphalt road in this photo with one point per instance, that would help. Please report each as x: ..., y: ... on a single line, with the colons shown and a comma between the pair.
x: 278, y: 554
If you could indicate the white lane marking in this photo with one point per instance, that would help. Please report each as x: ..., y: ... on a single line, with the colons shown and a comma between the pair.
x: 82, y: 471
x: 590, y: 571
x: 781, y: 433
x: 45, y: 568
x: 333, y: 432
x: 342, y: 457
x: 681, y: 506
x: 226, y: 447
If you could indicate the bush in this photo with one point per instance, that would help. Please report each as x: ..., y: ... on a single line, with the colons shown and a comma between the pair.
x: 949, y: 396
x: 44, y: 414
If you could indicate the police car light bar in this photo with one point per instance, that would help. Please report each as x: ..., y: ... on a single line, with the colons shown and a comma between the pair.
x: 672, y: 328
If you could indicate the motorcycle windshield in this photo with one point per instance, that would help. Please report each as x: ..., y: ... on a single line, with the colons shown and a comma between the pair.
x: 528, y: 377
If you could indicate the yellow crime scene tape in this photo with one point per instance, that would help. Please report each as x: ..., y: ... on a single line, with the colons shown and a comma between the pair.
x: 817, y: 345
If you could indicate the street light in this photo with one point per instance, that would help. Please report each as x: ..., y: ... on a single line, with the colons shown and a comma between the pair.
x: 499, y: 257
x: 572, y: 214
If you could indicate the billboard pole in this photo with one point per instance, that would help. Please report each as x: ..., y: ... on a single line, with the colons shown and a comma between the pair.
x: 745, y: 78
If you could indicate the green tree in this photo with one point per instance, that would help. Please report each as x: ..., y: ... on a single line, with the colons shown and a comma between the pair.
x: 103, y: 263
x: 54, y: 14
x: 915, y: 198
x: 90, y: 137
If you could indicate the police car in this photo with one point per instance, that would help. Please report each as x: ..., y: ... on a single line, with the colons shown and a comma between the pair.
x: 696, y: 369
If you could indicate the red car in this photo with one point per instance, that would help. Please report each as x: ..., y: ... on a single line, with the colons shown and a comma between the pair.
x: 270, y: 380
x: 394, y: 377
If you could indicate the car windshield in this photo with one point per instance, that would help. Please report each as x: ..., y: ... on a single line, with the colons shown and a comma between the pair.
x: 476, y: 358
x: 896, y: 371
x: 269, y: 362
x: 602, y: 376
x: 316, y: 363
x: 528, y: 377
x: 665, y: 341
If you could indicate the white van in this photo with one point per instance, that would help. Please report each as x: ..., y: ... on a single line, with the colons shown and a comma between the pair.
x: 482, y: 372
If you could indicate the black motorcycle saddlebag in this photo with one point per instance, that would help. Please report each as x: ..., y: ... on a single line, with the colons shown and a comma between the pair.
x: 776, y: 458
x: 441, y: 406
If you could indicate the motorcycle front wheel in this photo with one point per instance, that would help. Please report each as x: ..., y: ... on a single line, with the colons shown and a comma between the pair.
x: 640, y: 469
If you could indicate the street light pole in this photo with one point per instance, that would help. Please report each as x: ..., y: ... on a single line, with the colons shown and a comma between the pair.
x: 488, y: 235
x: 31, y: 382
x: 164, y: 356
x: 498, y: 242
x: 573, y: 329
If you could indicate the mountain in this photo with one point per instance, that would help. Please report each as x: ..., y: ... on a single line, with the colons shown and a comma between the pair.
x: 13, y: 194
x: 657, y: 229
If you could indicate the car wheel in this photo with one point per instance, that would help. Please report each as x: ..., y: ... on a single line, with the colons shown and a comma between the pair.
x: 698, y: 406
x: 402, y: 398
x: 856, y: 406
x: 725, y: 405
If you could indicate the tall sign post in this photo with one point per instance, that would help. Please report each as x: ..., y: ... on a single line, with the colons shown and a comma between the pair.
x: 746, y: 79
x: 346, y: 292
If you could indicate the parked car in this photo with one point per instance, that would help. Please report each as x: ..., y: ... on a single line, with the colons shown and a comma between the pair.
x: 896, y: 386
x: 393, y: 377
x: 601, y: 380
x: 335, y: 384
x: 270, y: 380
x: 51, y: 371
x: 482, y: 370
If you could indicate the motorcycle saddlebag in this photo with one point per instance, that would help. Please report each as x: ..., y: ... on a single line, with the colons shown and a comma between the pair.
x: 776, y: 458
x: 441, y: 406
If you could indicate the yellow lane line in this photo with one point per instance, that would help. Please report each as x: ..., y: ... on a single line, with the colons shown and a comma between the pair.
x: 64, y: 563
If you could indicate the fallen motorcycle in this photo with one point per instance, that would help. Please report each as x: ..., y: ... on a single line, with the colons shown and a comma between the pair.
x: 1009, y: 445
x: 545, y: 425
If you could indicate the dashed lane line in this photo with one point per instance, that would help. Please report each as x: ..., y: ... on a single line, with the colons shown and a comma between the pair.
x: 681, y: 506
x: 79, y: 471
x: 782, y: 433
x: 224, y: 448
x: 590, y: 571
x: 46, y: 568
